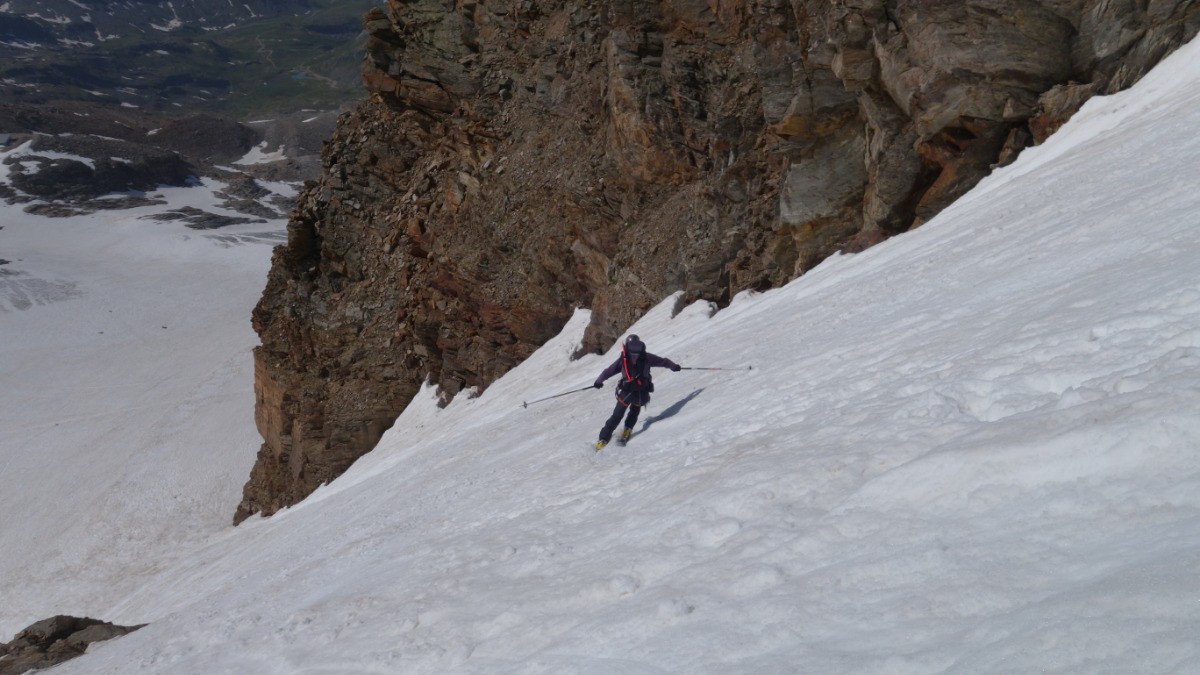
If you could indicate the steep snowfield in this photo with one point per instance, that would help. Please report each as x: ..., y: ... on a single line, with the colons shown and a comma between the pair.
x: 969, y: 449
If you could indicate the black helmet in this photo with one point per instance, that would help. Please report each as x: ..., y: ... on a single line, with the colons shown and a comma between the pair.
x: 634, y: 346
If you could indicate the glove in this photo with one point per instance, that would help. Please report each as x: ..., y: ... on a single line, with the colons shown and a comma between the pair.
x: 598, y: 385
x: 675, y: 367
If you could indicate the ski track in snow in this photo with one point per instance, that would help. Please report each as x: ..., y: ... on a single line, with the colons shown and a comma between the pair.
x: 968, y: 449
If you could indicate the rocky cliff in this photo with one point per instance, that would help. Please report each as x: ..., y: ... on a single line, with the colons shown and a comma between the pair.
x: 517, y: 159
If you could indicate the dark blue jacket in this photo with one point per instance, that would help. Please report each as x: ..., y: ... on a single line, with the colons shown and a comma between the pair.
x: 636, y: 384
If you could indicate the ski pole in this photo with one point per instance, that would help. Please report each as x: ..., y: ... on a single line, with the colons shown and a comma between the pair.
x: 526, y: 404
x: 739, y: 369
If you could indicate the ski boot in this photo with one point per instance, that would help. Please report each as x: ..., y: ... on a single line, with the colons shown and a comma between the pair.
x: 600, y: 445
x: 624, y: 437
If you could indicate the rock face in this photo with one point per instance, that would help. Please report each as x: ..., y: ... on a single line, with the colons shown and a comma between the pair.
x: 54, y: 640
x: 518, y: 159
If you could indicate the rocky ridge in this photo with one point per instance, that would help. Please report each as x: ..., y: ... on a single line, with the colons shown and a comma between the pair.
x: 518, y: 159
x: 52, y: 641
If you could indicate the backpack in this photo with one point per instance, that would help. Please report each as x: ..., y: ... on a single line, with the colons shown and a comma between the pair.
x: 635, y: 376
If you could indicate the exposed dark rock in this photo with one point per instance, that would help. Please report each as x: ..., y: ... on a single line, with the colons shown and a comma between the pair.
x: 72, y: 179
x: 199, y: 219
x: 83, y: 159
x: 207, y: 139
x: 517, y: 160
x: 1056, y: 106
x: 52, y: 641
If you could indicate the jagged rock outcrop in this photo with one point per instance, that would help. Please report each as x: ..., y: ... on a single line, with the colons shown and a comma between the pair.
x: 52, y: 641
x: 518, y: 159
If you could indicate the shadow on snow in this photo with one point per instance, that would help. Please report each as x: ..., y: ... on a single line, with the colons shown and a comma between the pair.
x: 669, y: 412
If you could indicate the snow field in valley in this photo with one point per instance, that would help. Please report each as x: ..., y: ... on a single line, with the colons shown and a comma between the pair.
x: 126, y: 411
x: 969, y: 449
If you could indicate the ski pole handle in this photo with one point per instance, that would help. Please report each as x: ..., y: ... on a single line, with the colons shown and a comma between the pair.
x: 526, y: 404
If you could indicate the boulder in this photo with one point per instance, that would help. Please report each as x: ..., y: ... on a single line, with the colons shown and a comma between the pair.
x: 51, y: 641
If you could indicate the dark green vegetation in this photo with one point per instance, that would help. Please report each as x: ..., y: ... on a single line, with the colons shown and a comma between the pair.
x: 264, y: 66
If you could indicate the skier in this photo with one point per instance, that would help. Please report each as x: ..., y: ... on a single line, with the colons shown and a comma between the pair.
x: 633, y: 391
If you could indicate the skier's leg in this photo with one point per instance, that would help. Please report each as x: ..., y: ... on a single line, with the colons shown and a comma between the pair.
x: 615, y: 419
x: 632, y: 417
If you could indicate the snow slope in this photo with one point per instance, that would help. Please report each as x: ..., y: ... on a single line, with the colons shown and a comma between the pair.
x: 969, y: 449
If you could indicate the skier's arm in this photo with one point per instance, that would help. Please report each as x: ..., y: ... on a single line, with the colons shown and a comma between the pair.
x: 608, y: 372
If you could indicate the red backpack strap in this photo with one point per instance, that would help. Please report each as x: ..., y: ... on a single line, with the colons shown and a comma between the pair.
x: 629, y: 375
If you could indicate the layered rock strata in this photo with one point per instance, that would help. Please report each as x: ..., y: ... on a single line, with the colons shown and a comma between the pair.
x: 517, y: 159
